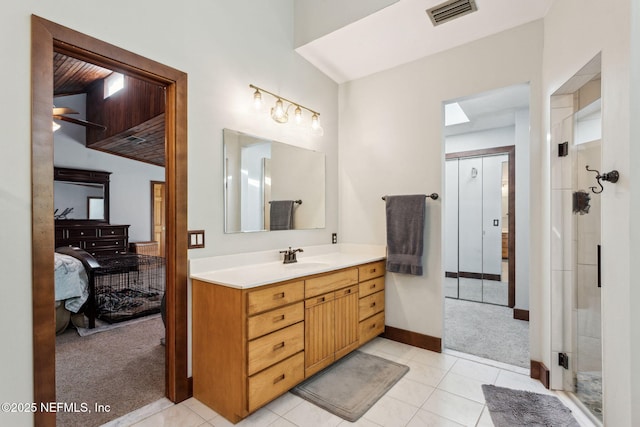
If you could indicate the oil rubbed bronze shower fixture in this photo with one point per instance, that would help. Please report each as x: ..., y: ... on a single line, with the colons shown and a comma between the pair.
x: 609, y: 176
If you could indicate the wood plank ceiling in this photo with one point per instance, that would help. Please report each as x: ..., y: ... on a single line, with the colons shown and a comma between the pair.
x: 144, y: 141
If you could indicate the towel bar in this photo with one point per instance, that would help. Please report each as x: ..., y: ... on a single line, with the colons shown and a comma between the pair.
x: 433, y: 196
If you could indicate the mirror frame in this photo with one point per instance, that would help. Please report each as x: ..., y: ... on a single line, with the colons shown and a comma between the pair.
x: 88, y: 176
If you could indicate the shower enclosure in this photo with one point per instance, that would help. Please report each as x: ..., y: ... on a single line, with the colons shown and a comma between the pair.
x: 575, y: 235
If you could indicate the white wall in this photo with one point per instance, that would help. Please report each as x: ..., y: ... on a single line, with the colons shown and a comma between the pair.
x: 575, y: 31
x: 129, y: 182
x: 315, y: 19
x: 223, y: 46
x: 391, y: 142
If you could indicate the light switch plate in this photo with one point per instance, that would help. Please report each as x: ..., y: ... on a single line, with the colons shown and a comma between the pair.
x: 195, y: 239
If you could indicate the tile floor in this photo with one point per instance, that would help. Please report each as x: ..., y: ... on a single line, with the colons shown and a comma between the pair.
x: 439, y: 390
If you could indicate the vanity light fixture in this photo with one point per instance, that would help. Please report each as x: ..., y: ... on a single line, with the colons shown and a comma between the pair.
x: 280, y: 111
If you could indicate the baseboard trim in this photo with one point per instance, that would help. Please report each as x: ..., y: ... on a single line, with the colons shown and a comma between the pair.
x: 413, y: 338
x: 520, y: 314
x: 540, y: 373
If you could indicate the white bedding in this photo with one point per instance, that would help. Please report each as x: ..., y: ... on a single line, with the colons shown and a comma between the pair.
x: 71, y: 282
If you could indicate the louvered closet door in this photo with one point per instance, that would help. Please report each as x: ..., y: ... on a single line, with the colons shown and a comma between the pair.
x: 319, y: 321
x: 346, y: 321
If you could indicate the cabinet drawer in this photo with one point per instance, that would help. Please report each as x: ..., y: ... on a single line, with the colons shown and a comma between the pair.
x: 273, y: 297
x: 73, y: 233
x: 272, y: 382
x: 112, y: 231
x: 273, y: 320
x: 270, y: 349
x: 330, y: 282
x: 105, y: 244
x: 369, y: 271
x: 371, y: 286
x: 371, y: 305
x: 371, y: 327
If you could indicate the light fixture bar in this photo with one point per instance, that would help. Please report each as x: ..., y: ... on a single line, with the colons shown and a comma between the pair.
x: 284, y: 99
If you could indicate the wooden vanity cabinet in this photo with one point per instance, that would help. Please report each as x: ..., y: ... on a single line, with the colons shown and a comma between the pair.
x: 252, y: 345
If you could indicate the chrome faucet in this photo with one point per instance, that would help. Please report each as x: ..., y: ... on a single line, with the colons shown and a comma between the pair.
x: 290, y: 255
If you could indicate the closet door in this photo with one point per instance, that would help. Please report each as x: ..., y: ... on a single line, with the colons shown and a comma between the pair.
x: 494, y: 282
x: 470, y: 228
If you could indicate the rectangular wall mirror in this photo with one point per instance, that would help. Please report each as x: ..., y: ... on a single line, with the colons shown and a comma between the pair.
x: 269, y: 185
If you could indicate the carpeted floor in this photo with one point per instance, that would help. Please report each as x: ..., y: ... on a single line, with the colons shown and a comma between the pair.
x: 486, y: 330
x: 122, y: 368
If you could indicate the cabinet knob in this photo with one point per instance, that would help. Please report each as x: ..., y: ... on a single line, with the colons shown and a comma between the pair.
x: 82, y: 233
x: 278, y: 379
x: 373, y: 270
x: 278, y: 296
x: 278, y: 318
x: 278, y: 346
x: 373, y: 304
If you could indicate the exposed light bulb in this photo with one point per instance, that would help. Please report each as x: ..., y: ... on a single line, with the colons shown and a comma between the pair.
x: 298, y: 114
x: 257, y: 99
x: 315, y: 125
x: 279, y: 109
x: 55, y: 126
x: 315, y: 122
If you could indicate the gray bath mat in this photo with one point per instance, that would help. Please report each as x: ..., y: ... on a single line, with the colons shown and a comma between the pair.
x: 511, y: 408
x: 351, y: 386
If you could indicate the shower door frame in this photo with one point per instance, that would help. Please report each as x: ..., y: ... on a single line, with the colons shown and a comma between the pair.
x: 510, y: 151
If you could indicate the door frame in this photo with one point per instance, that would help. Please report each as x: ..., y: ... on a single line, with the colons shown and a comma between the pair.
x: 510, y: 151
x: 47, y: 37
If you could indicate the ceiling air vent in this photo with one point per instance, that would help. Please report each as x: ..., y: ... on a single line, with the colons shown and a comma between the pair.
x: 450, y: 10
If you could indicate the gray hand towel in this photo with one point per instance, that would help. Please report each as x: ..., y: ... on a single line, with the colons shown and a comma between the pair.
x: 281, y: 215
x: 405, y: 230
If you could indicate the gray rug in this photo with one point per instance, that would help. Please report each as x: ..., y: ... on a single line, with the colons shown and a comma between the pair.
x: 351, y: 386
x: 511, y: 408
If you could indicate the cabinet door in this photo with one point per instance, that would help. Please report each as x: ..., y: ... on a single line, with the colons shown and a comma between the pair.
x: 346, y: 321
x: 319, y: 321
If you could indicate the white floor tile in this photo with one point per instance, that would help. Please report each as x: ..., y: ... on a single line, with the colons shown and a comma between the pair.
x: 175, y: 416
x: 284, y: 403
x: 478, y: 371
x: 453, y: 407
x: 463, y: 386
x: 520, y: 382
x: 424, y: 418
x: 260, y: 418
x: 391, y: 412
x: 361, y: 422
x: 411, y: 392
x: 431, y: 358
x: 200, y: 408
x: 424, y: 374
x: 307, y: 414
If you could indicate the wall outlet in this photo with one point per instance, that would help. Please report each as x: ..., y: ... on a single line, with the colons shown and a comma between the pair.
x: 334, y: 238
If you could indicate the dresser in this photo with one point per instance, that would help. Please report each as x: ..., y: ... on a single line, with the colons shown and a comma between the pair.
x: 97, y: 239
x: 253, y: 345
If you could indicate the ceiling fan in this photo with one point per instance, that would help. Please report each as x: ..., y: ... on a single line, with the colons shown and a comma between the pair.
x: 59, y: 113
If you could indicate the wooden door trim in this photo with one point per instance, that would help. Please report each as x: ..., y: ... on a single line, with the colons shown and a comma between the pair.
x: 510, y: 151
x: 46, y: 37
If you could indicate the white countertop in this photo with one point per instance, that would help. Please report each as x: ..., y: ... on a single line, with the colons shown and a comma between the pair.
x: 246, y: 275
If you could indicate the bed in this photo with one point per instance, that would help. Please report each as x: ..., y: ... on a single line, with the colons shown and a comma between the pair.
x: 72, y: 283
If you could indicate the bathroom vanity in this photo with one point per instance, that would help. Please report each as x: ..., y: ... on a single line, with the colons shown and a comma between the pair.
x: 259, y: 330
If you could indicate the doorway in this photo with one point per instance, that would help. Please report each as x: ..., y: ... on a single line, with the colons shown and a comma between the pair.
x: 48, y: 37
x: 485, y: 300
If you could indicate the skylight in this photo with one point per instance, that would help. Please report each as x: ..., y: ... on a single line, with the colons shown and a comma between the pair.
x: 453, y: 114
x: 112, y: 84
